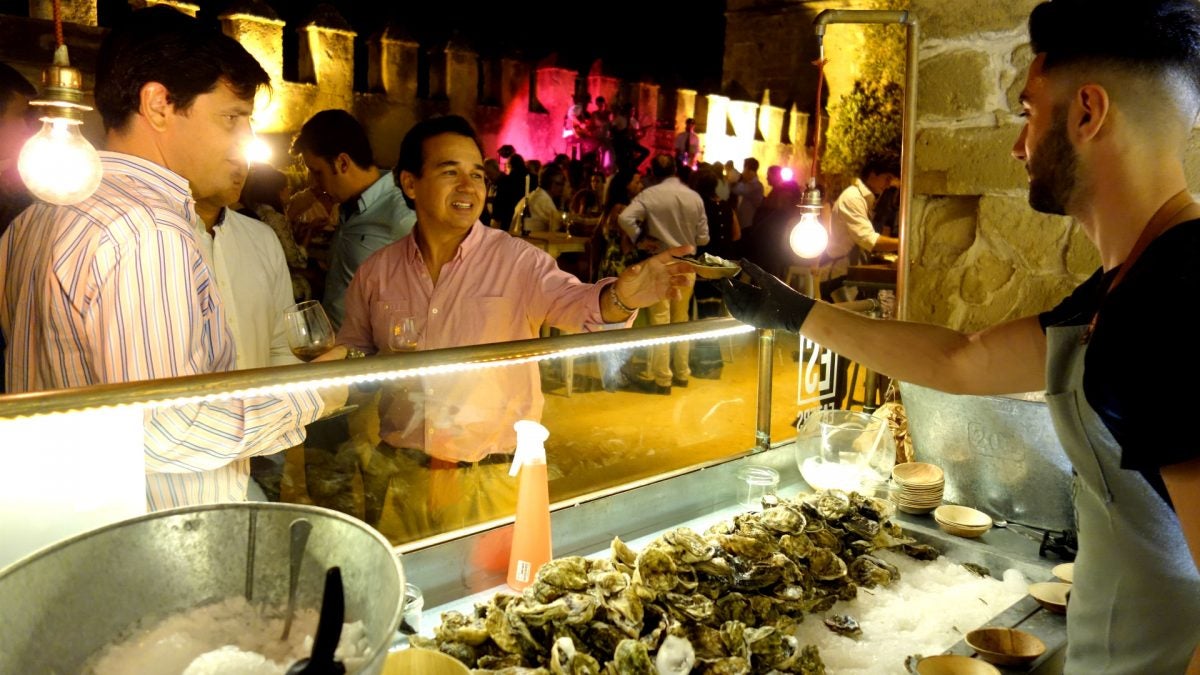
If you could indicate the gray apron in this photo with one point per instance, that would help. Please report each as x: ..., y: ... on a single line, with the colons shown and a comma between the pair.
x: 1135, y: 604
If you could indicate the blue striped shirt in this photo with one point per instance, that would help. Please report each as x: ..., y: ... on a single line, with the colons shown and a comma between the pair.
x: 115, y: 289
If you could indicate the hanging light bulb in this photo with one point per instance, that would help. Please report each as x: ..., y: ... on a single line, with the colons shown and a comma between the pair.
x: 809, y: 237
x: 58, y: 165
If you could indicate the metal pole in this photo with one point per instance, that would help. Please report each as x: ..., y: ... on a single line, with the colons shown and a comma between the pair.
x: 908, y: 124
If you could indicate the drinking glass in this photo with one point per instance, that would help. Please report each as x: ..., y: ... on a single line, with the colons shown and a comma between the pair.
x: 309, y: 332
x: 403, y: 335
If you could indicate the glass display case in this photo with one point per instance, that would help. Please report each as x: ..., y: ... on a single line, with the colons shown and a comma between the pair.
x: 75, y: 454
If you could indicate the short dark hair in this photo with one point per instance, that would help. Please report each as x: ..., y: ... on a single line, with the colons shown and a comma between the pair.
x: 13, y: 82
x: 880, y: 163
x: 332, y: 132
x: 161, y: 44
x: 750, y: 163
x: 412, y: 146
x: 662, y: 166
x: 549, y: 173
x: 506, y: 151
x: 263, y: 185
x: 1144, y: 36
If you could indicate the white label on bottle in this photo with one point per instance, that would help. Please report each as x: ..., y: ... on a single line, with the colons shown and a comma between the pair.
x: 523, y: 569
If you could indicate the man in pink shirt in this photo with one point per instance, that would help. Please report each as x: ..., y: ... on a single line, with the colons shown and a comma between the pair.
x: 449, y: 438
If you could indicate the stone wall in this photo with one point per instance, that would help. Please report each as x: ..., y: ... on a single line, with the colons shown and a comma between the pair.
x: 978, y: 253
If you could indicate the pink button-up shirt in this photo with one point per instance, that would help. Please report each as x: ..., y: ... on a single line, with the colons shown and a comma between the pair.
x: 497, y: 288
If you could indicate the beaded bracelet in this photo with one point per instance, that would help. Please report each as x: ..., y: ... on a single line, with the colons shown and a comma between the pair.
x: 617, y: 301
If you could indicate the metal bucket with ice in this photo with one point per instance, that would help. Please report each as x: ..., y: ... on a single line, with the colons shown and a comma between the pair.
x: 69, y: 602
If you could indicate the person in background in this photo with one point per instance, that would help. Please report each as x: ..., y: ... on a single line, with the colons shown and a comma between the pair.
x: 505, y: 153
x: 16, y: 126
x: 1109, y: 103
x: 664, y: 216
x: 252, y: 276
x: 447, y: 440
x: 749, y: 193
x: 687, y: 144
x: 491, y: 171
x: 627, y: 132
x: 545, y: 202
x: 510, y: 190
x: 263, y: 198
x: 371, y: 210
x: 852, y: 235
x: 122, y: 292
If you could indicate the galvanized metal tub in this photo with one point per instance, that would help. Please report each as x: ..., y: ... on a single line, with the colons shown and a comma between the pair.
x: 1000, y: 454
x: 68, y: 601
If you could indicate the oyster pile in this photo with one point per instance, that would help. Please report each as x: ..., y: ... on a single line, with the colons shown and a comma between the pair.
x: 722, y: 602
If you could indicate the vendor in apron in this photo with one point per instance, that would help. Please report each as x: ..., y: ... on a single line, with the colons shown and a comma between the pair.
x: 1109, y: 103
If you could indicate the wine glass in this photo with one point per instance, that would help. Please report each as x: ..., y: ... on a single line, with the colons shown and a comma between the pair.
x: 403, y: 335
x: 309, y: 332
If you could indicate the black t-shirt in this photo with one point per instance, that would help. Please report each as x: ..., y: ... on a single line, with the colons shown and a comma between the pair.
x: 1141, y: 361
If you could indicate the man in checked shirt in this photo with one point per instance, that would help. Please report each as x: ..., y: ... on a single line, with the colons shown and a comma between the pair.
x: 115, y: 288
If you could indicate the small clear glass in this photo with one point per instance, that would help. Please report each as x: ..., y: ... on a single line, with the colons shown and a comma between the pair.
x: 754, y: 483
x: 410, y: 623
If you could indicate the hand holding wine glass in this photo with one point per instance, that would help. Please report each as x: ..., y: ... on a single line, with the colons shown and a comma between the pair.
x: 309, y: 332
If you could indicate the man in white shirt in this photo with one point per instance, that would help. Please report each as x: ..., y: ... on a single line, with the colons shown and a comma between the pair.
x: 663, y: 216
x: 852, y: 213
x: 252, y: 278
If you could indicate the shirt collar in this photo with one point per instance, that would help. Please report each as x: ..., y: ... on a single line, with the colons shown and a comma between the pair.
x: 368, y: 197
x: 118, y: 163
x: 470, y: 243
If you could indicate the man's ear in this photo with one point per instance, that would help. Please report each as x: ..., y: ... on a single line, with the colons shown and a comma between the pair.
x: 154, y: 105
x: 341, y: 163
x: 1089, y: 111
x: 408, y: 184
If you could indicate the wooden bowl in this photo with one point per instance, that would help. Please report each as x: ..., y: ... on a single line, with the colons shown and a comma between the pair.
x: 414, y: 661
x: 963, y: 516
x: 918, y: 473
x: 1005, y: 646
x: 1051, y: 594
x: 954, y: 664
x: 1065, y: 572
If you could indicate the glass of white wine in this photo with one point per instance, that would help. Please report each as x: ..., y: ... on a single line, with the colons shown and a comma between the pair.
x: 309, y: 332
x: 403, y: 336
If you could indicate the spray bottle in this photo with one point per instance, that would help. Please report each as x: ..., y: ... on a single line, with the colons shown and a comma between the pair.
x: 531, y: 547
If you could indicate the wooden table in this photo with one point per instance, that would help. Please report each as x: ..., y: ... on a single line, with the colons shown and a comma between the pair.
x: 557, y: 243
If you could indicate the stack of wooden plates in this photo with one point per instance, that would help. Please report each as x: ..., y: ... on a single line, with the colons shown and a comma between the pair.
x: 962, y: 521
x: 921, y: 486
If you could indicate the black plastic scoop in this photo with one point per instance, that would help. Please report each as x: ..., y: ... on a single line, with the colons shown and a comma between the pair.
x: 329, y: 631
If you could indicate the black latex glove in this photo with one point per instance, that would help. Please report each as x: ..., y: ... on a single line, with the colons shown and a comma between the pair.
x: 768, y: 303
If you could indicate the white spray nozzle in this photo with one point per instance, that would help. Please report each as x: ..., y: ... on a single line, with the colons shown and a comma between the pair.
x: 531, y: 444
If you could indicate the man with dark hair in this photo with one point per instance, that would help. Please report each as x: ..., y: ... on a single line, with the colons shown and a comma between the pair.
x: 16, y: 126
x: 852, y: 234
x: 749, y: 192
x: 373, y: 213
x: 448, y: 438
x: 121, y: 292
x: 665, y: 215
x: 1109, y: 103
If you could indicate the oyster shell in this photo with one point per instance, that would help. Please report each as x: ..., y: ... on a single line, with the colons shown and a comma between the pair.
x: 655, y: 570
x: 632, y: 658
x: 826, y: 565
x: 844, y: 625
x: 456, y: 627
x: 675, y: 656
x: 869, y: 571
x: 565, y: 659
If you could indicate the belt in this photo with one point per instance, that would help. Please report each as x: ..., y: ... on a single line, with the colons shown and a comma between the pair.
x: 431, y: 462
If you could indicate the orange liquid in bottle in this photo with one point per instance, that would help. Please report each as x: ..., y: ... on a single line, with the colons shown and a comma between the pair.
x: 531, y: 545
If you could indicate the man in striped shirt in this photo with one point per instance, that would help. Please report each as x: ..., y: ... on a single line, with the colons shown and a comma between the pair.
x: 115, y: 288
